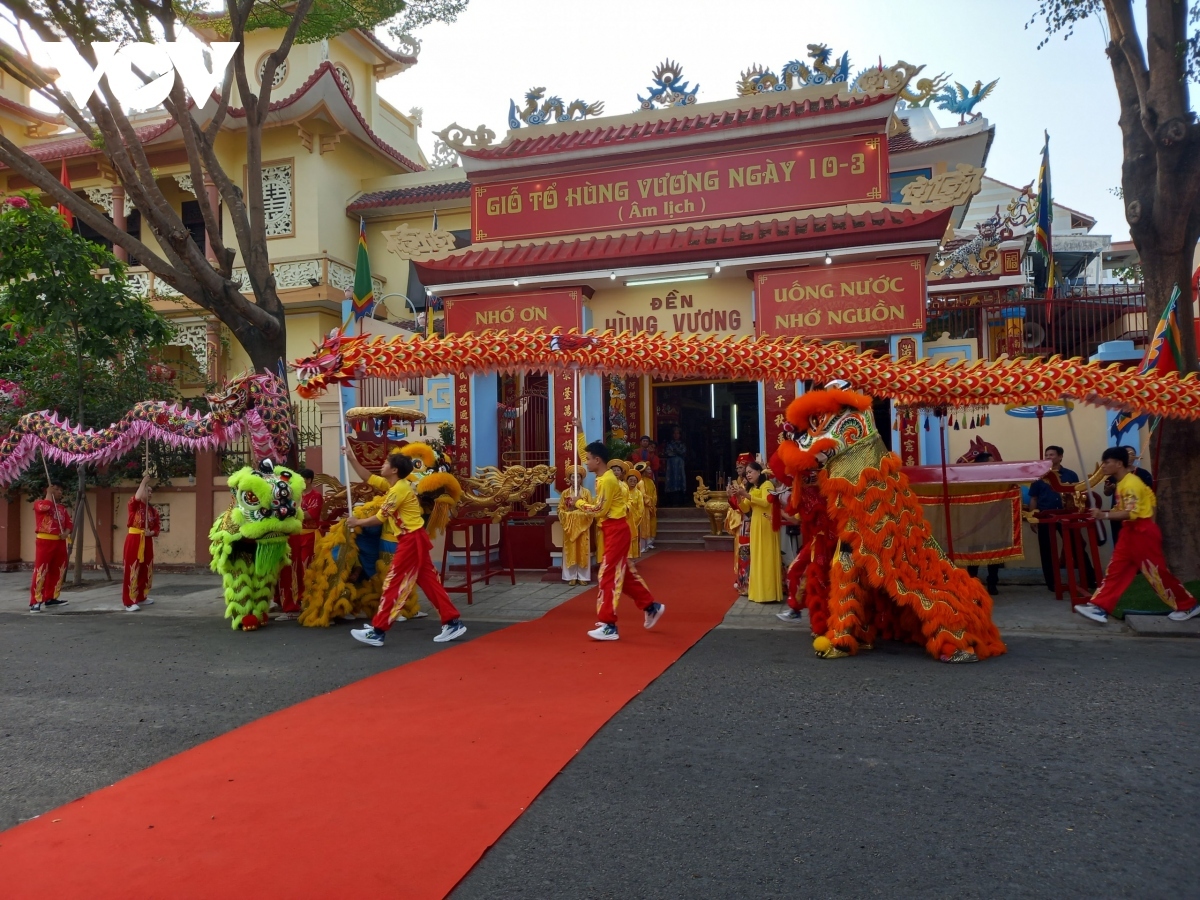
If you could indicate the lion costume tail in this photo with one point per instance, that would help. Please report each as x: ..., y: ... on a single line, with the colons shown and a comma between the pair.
x: 894, y: 553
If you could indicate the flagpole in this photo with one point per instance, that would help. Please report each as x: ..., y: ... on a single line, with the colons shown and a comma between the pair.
x: 575, y: 444
x: 342, y: 436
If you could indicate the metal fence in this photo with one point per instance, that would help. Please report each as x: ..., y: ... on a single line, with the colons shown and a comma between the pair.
x: 1074, y: 322
x: 307, y: 416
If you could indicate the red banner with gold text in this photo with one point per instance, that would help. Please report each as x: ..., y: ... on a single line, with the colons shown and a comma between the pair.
x: 508, y: 312
x: 883, y: 296
x: 748, y: 182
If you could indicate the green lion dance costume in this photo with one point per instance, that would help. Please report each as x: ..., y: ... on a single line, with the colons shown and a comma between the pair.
x: 249, y: 543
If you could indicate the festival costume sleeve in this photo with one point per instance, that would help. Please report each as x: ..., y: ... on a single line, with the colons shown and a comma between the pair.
x: 602, y: 505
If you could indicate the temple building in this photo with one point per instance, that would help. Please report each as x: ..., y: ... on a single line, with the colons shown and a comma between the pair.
x: 814, y: 205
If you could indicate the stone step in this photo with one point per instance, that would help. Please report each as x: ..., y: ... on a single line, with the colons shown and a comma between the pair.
x: 673, y: 531
x: 660, y: 544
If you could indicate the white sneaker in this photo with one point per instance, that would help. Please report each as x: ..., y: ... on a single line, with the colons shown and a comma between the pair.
x: 147, y: 602
x: 451, y: 631
x: 789, y: 615
x: 37, y: 607
x: 1181, y: 615
x: 368, y: 635
x: 133, y: 607
x: 654, y: 613
x: 417, y: 615
x: 604, y: 632
x: 1093, y: 612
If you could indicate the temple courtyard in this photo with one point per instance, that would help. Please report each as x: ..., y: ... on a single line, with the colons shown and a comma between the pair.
x: 749, y: 768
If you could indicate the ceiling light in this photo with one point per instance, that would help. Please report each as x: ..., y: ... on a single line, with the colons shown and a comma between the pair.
x: 828, y: 259
x: 612, y: 276
x: 716, y: 268
x: 516, y: 284
x: 666, y: 279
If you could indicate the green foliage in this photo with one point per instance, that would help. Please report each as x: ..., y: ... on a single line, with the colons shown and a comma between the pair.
x: 71, y: 340
x: 329, y: 18
x: 446, y: 433
x: 618, y: 448
x: 1061, y: 17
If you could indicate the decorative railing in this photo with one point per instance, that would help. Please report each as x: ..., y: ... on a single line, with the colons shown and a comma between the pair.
x: 290, y: 274
x: 1073, y: 322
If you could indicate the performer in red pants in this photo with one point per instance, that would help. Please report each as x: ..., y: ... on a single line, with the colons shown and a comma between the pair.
x: 53, y: 525
x: 808, y: 575
x: 617, y: 572
x: 144, y: 525
x: 290, y: 588
x: 1140, y: 547
x: 400, y: 515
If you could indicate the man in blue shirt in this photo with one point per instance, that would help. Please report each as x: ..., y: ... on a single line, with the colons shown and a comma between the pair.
x: 1042, y: 496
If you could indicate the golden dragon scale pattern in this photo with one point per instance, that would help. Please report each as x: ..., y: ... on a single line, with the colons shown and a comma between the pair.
x: 916, y: 384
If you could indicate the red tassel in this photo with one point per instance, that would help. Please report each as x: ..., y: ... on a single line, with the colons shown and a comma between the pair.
x: 776, y: 512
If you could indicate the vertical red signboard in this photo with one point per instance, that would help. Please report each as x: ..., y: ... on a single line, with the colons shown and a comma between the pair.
x: 909, y: 446
x: 462, y: 425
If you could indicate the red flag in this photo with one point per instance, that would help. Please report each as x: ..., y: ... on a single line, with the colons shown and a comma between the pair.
x: 65, y: 177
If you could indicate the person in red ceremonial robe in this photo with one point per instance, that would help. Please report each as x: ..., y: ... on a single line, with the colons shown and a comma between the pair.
x: 290, y: 589
x: 144, y: 525
x: 53, y: 525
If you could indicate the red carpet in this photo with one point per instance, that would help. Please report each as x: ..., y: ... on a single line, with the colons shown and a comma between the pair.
x: 472, y: 733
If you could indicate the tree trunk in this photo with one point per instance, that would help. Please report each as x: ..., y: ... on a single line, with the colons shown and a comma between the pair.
x: 1171, y: 449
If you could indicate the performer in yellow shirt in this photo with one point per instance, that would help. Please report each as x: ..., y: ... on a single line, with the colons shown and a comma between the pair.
x: 400, y: 516
x: 1140, y: 547
x: 617, y: 574
x: 766, y: 565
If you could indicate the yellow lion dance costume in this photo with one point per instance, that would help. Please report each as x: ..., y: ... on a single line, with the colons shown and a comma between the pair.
x: 889, y: 578
x: 336, y: 585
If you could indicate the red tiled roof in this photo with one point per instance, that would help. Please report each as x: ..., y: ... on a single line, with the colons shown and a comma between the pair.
x: 902, y: 143
x: 28, y: 112
x: 328, y: 67
x: 76, y: 145
x: 453, y: 190
x: 683, y: 245
x: 603, y: 136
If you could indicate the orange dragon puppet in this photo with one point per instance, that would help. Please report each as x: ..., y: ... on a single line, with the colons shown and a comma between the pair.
x: 888, y: 577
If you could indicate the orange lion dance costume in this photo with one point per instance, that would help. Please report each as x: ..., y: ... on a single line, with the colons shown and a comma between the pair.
x: 888, y: 577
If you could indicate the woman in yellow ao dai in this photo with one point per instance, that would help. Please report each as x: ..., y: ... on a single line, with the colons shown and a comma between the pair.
x: 766, y: 566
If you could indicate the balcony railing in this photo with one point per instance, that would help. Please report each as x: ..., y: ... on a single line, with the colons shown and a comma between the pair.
x: 1074, y: 322
x: 290, y: 274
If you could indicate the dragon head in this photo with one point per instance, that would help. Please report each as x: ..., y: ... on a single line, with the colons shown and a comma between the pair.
x: 337, y: 358
x: 827, y: 422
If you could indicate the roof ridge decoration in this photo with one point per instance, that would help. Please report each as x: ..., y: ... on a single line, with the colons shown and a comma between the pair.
x: 667, y: 87
x: 760, y: 80
x: 457, y: 137
x: 417, y: 244
x: 959, y: 100
x: 552, y: 109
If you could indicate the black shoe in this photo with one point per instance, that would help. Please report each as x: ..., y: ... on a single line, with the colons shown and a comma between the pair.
x: 993, y: 590
x: 57, y: 602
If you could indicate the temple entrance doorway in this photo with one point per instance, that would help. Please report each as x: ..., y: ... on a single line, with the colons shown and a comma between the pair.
x: 702, y: 426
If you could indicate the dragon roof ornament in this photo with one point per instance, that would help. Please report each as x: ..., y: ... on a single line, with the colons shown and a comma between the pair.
x: 667, y: 88
x: 550, y: 110
x: 796, y: 74
x: 978, y: 256
x: 415, y: 244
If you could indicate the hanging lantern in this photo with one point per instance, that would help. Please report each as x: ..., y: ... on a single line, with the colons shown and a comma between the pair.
x: 160, y: 373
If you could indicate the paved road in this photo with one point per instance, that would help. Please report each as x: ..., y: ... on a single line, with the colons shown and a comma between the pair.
x: 86, y: 699
x: 1065, y: 769
x: 750, y: 769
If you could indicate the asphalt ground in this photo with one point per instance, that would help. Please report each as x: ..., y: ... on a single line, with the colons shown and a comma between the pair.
x: 87, y: 699
x: 1066, y: 768
x: 749, y: 769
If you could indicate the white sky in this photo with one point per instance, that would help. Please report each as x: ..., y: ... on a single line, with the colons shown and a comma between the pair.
x: 498, y: 49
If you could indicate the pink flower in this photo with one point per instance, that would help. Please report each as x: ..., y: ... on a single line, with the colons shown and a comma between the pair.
x: 18, y: 202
